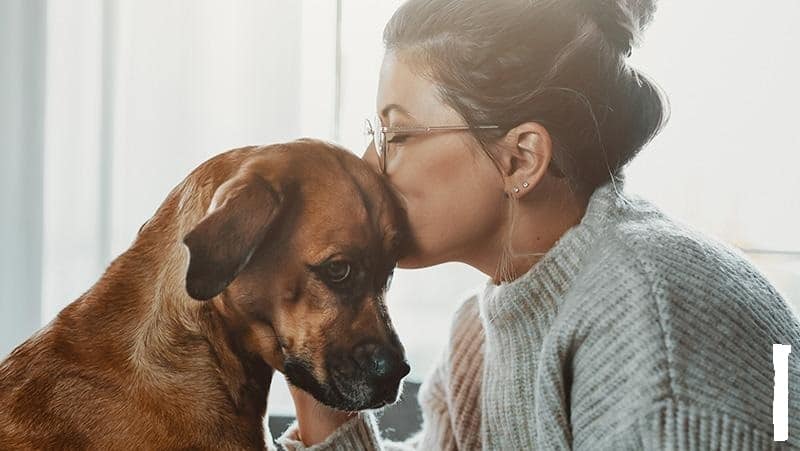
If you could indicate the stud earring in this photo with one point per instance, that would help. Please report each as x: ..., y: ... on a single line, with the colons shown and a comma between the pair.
x: 516, y: 190
x: 524, y: 184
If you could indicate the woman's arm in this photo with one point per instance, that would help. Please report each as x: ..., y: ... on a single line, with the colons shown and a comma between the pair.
x: 316, y: 421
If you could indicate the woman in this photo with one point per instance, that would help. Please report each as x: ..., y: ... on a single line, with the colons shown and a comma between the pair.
x: 605, y: 324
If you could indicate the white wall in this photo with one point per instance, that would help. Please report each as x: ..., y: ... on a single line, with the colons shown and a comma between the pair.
x: 728, y: 161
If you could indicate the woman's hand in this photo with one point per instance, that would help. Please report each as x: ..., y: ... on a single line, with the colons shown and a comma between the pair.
x: 316, y: 420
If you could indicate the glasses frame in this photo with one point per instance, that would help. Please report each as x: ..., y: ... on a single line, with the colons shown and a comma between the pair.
x: 381, y: 142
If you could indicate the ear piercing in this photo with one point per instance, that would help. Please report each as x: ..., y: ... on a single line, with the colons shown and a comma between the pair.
x: 524, y: 185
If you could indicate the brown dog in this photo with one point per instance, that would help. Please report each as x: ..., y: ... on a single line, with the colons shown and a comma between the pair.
x: 291, y: 246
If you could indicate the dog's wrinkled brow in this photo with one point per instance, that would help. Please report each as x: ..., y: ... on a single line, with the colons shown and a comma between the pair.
x: 345, y: 251
x: 385, y: 208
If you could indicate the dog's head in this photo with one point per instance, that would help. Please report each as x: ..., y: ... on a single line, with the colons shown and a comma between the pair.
x: 298, y: 248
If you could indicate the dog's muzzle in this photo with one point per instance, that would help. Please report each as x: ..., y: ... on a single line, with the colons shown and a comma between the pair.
x: 370, y: 376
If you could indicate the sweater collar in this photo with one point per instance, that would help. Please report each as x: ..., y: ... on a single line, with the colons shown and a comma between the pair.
x: 540, y: 289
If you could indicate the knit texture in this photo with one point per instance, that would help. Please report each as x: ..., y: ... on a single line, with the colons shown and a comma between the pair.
x: 632, y: 332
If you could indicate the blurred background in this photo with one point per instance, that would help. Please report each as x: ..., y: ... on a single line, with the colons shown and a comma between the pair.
x: 106, y: 105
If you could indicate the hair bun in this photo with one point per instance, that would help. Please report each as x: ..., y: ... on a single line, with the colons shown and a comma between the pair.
x: 621, y: 21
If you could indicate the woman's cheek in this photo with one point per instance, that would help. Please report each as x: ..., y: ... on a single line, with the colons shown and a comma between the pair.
x: 426, y: 231
x: 436, y: 222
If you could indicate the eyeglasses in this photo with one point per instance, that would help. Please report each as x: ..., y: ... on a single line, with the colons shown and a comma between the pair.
x: 383, y: 136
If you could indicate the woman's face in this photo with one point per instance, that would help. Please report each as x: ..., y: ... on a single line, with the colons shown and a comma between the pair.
x: 451, y: 188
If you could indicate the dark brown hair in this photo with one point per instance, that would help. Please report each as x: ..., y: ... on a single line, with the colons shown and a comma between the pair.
x: 561, y: 63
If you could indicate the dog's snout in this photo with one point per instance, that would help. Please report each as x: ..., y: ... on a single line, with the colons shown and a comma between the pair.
x: 381, y: 363
x: 369, y: 374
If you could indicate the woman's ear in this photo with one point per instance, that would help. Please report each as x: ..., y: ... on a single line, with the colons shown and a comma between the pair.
x: 524, y: 156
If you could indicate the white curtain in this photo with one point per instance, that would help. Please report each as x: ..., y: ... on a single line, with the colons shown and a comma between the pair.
x: 22, y: 47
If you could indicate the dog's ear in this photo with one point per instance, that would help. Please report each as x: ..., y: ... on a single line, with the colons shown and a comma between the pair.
x: 220, y: 246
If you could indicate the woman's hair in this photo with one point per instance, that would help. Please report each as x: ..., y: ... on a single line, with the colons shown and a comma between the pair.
x: 561, y: 63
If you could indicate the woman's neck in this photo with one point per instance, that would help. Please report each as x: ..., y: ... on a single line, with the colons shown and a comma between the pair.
x: 519, y: 244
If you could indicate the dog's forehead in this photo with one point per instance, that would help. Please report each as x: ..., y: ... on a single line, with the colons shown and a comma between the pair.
x: 345, y: 202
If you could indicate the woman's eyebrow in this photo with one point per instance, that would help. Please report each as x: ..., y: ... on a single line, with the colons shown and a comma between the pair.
x: 393, y: 106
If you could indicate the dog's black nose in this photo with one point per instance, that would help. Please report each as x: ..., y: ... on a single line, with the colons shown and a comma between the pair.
x: 382, y: 364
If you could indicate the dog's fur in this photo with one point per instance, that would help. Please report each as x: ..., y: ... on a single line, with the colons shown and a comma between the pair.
x: 136, y: 363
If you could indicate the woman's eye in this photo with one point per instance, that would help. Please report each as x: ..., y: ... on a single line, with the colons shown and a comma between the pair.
x: 396, y: 139
x: 338, y: 271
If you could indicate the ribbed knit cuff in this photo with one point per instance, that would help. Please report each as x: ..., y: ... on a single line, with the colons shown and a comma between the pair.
x: 359, y: 433
x: 682, y: 425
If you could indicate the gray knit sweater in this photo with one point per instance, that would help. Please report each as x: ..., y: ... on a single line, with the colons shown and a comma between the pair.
x: 632, y: 332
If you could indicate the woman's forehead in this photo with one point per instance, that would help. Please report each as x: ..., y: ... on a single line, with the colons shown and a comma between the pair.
x: 403, y: 92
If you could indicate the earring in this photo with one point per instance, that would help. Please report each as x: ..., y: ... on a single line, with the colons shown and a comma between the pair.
x: 516, y: 190
x: 524, y: 184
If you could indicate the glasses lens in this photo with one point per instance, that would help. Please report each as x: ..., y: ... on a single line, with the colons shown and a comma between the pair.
x: 368, y: 130
x: 379, y: 141
x: 369, y: 133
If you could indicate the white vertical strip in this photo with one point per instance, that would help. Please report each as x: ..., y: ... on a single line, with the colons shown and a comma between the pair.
x: 106, y: 149
x: 780, y: 404
x: 337, y: 94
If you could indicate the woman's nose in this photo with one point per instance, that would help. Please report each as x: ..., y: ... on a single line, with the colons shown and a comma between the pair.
x: 371, y: 157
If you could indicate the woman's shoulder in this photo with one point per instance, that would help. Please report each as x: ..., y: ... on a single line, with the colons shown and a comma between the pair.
x: 678, y: 309
x: 646, y: 258
x: 645, y: 244
x: 630, y: 237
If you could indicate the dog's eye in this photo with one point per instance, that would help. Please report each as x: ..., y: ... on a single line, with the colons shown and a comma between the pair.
x: 338, y: 271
